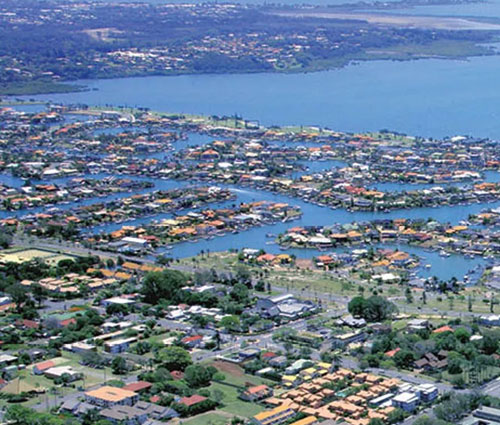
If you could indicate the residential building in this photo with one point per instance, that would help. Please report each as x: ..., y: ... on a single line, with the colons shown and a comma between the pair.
x: 407, y: 401
x: 256, y: 393
x: 108, y: 396
x: 40, y: 368
x: 428, y: 392
x: 339, y: 341
x: 126, y: 415
x: 63, y: 371
x: 119, y: 345
x: 275, y: 416
x: 156, y: 411
x: 191, y: 401
x: 487, y: 413
x: 138, y: 387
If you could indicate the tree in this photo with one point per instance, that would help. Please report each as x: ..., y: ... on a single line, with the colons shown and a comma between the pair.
x: 240, y: 293
x: 373, y: 309
x: 463, y: 335
x: 164, y: 285
x: 243, y: 274
x: 409, y: 295
x: 489, y: 345
x: 197, y: 376
x: 426, y: 420
x: 396, y: 416
x: 357, y: 306
x: 174, y: 358
x: 452, y: 409
x: 424, y: 297
x: 231, y: 323
x: 90, y: 417
x: 218, y: 395
x: 376, y: 421
x: 119, y: 366
x: 469, y: 303
x: 20, y: 415
x: 116, y: 309
x: 260, y: 286
x: 39, y: 293
x: 18, y: 295
x: 404, y: 358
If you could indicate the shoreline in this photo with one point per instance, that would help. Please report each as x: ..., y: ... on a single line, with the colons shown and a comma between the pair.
x: 70, y: 86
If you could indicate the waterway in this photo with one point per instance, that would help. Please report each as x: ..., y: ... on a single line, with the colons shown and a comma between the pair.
x: 486, y: 9
x: 364, y: 97
x: 369, y: 96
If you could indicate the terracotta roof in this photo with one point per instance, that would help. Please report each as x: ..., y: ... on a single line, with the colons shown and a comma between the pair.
x: 191, y: 401
x: 45, y: 365
x: 138, y: 386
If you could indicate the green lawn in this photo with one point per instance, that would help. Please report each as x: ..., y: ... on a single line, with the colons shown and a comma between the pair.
x: 232, y: 404
x: 207, y: 419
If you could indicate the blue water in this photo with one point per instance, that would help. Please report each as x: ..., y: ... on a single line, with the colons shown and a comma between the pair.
x: 434, y: 98
x: 317, y: 167
x: 30, y: 108
x: 278, y: 2
x: 490, y: 9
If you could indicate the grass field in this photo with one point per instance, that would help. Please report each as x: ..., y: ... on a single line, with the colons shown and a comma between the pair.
x: 313, y: 281
x: 21, y: 255
x: 232, y: 404
x: 211, y: 418
x: 235, y: 375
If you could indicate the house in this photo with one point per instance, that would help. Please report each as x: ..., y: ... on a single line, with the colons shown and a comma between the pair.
x: 308, y: 420
x: 487, y: 413
x: 490, y: 320
x: 286, y: 306
x: 118, y: 301
x: 7, y: 359
x: 76, y: 407
x: 442, y: 329
x: 275, y: 416
x: 108, y: 396
x: 126, y: 415
x: 191, y: 401
x: 415, y: 325
x: 428, y: 392
x: 156, y: 411
x: 138, y: 387
x: 352, y: 322
x: 248, y: 353
x: 119, y: 345
x: 256, y: 393
x: 192, y: 341
x: 63, y: 371
x: 40, y: 368
x: 378, y: 401
x: 339, y: 341
x: 279, y: 361
x: 177, y: 375
x: 297, y: 366
x: 79, y: 347
x: 407, y: 401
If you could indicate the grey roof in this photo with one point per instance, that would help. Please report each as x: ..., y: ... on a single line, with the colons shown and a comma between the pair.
x: 121, y: 413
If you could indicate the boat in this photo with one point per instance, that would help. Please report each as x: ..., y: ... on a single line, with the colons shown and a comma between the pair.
x: 428, y: 266
x: 443, y: 253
